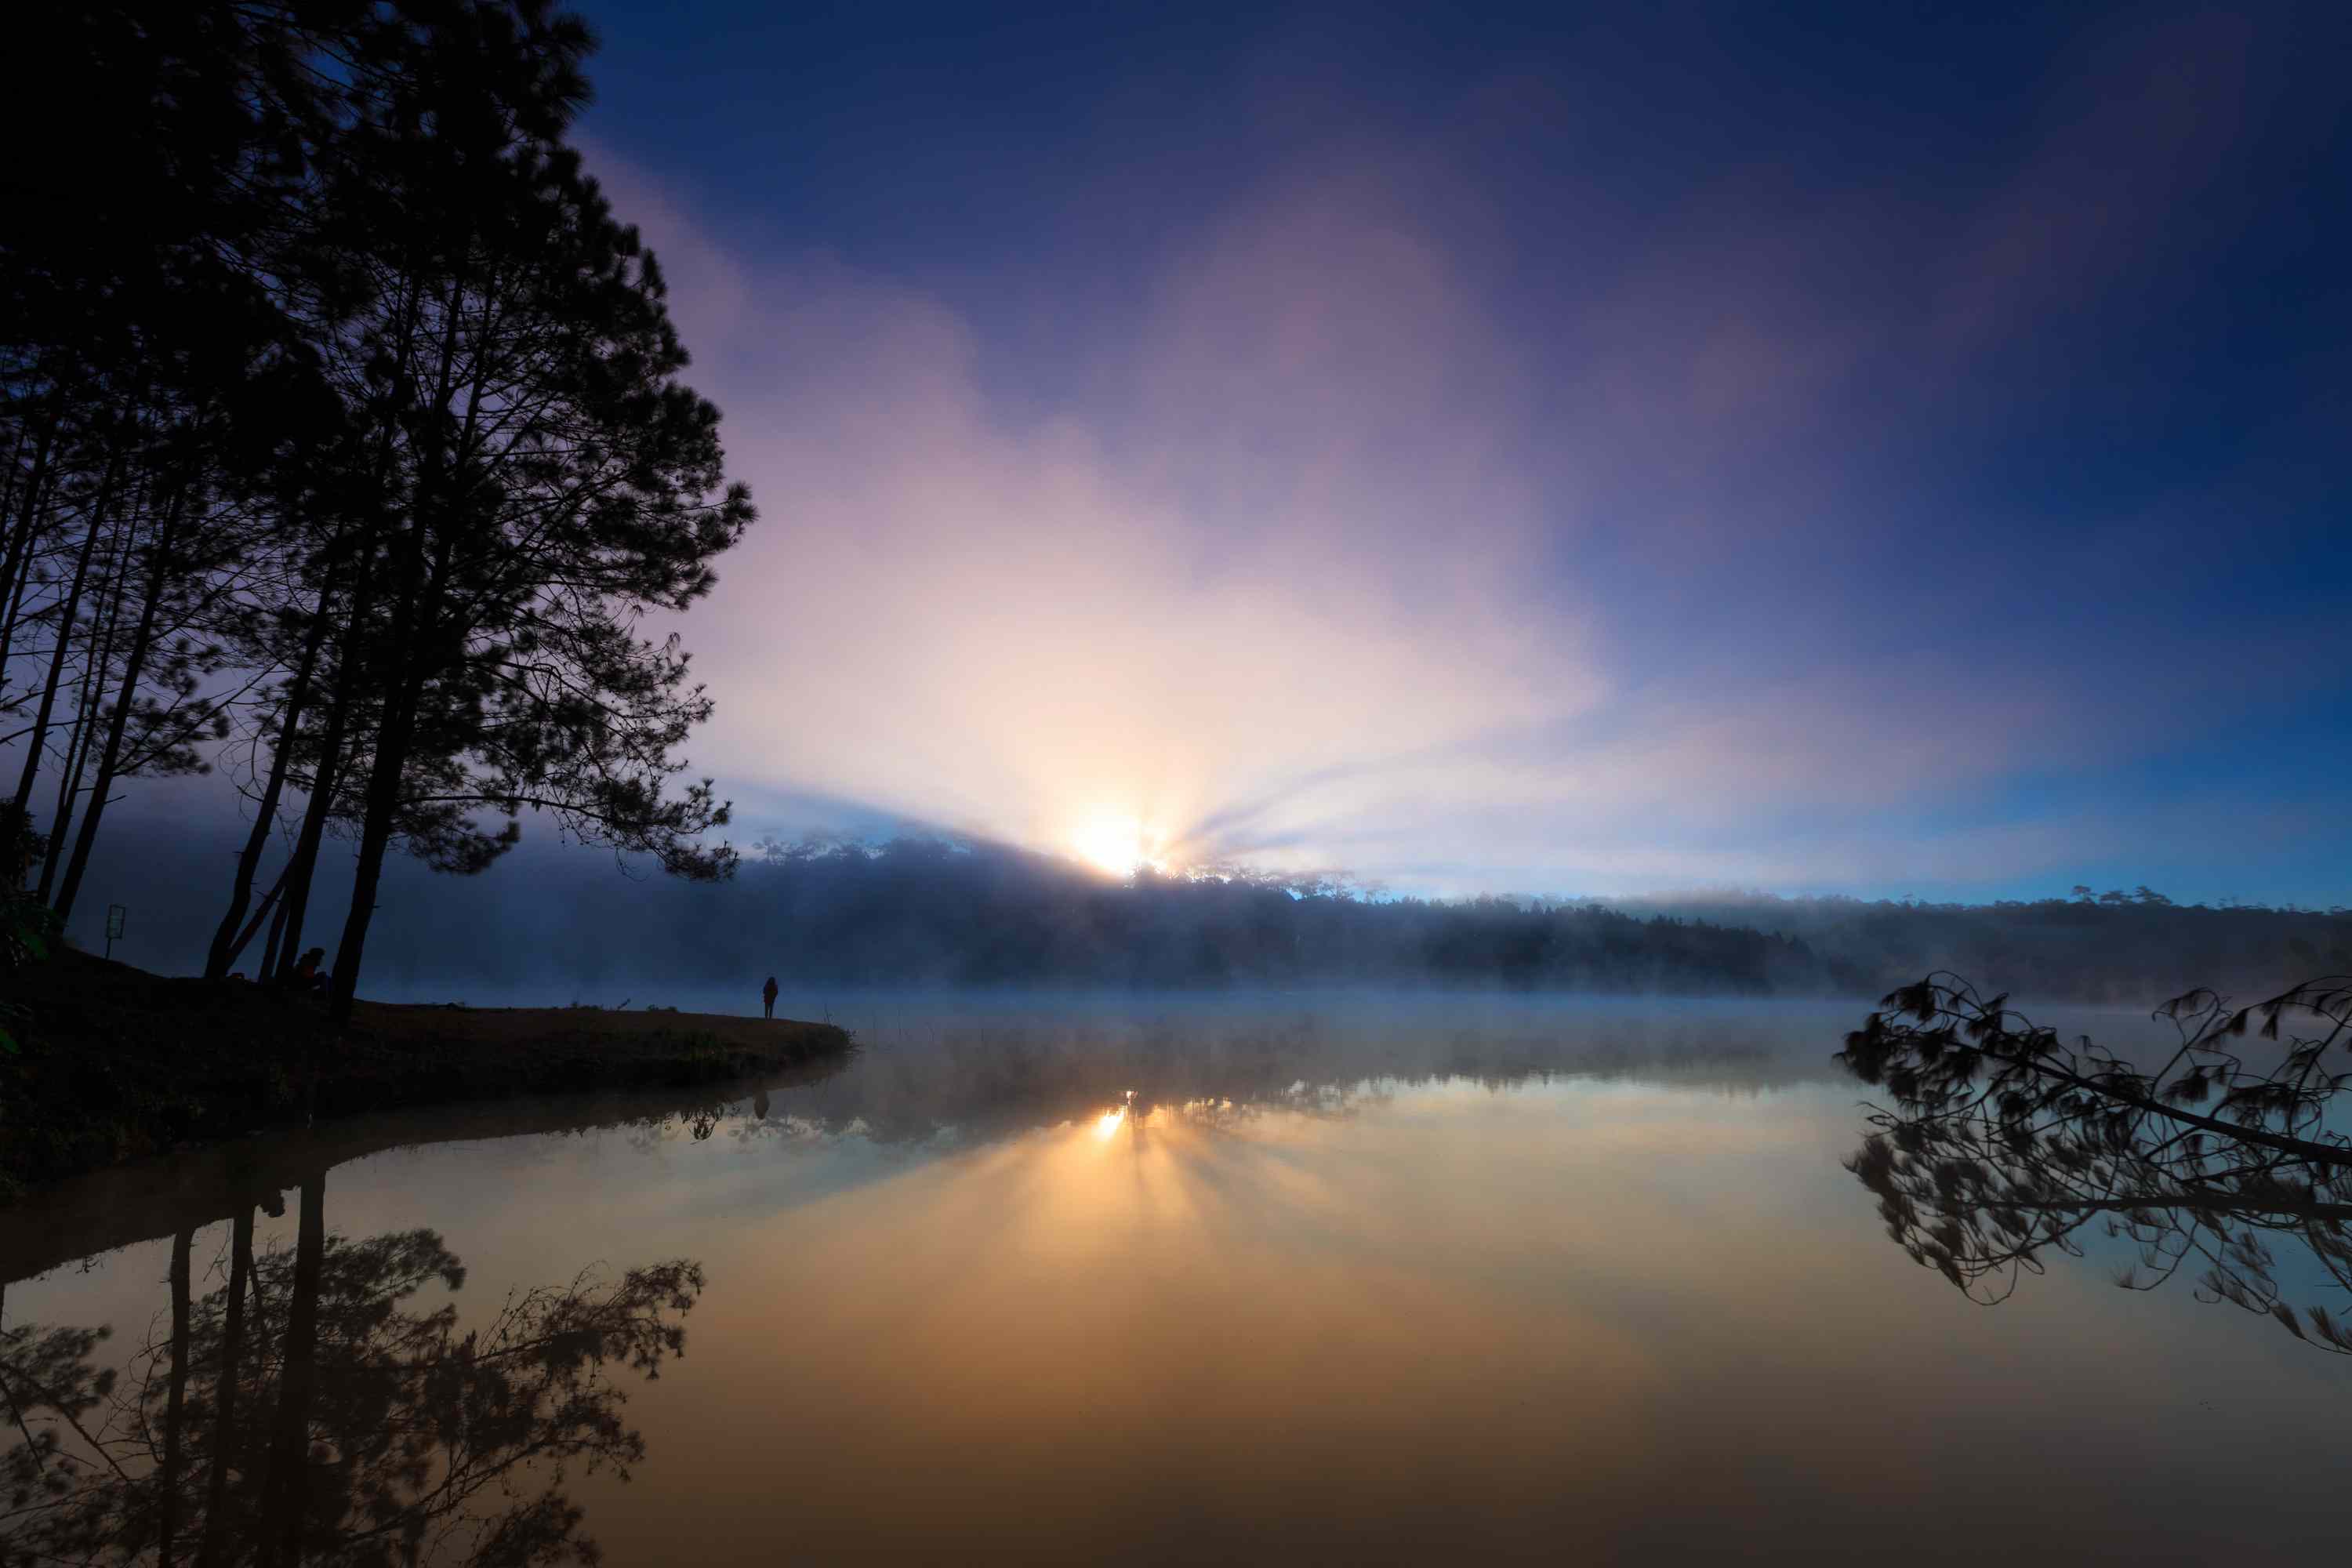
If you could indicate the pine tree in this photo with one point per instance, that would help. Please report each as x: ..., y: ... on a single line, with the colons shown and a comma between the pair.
x: 546, y: 478
x: 351, y: 418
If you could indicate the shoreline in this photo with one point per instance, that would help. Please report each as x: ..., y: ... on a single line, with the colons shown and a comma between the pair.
x: 117, y: 1065
x: 109, y: 1208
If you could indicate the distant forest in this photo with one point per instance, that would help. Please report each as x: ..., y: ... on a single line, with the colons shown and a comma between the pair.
x: 924, y: 911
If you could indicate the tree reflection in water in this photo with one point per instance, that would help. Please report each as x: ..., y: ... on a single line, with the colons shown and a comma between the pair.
x: 2004, y: 1145
x: 308, y: 1411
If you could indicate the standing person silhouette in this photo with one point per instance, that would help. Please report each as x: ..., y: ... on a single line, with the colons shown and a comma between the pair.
x: 768, y: 995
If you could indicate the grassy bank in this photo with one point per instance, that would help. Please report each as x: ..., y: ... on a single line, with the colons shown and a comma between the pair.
x: 117, y: 1064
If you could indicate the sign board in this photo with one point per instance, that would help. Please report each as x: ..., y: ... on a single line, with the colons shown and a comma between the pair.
x: 114, y: 913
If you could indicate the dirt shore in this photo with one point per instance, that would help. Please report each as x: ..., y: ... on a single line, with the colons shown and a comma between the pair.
x: 117, y: 1064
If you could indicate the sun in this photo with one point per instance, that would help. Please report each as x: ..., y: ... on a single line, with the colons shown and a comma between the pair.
x: 1112, y: 842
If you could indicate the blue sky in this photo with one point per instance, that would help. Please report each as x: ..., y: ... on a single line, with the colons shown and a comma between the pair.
x: 1883, y: 449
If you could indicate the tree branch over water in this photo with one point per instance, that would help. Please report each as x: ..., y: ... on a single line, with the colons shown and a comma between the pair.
x: 384, y: 1432
x: 2005, y: 1144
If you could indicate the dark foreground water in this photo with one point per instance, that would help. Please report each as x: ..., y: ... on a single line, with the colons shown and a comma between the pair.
x: 1348, y: 1280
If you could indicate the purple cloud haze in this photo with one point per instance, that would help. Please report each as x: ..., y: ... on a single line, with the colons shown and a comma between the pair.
x: 1371, y: 528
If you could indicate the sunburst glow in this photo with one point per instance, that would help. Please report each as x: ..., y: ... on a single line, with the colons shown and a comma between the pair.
x: 1111, y: 1119
x: 1111, y: 842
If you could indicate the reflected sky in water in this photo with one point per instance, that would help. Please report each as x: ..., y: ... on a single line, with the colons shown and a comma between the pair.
x: 1344, y: 1280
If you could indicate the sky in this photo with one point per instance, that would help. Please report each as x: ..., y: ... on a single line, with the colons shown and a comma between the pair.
x: 1882, y: 449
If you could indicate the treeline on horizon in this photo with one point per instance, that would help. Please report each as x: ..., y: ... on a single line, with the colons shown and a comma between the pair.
x: 341, y: 445
x: 922, y: 911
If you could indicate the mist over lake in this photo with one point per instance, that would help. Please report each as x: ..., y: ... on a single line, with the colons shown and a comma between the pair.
x: 1360, y: 1277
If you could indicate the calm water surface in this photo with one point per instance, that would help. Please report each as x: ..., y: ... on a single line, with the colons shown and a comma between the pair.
x: 1347, y: 1280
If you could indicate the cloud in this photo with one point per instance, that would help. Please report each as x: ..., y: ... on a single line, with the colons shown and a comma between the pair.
x: 2160, y: 109
x: 1343, y: 546
x: 1296, y: 545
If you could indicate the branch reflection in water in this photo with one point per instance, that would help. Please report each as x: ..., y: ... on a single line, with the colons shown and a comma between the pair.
x: 311, y: 1409
x: 2004, y: 1145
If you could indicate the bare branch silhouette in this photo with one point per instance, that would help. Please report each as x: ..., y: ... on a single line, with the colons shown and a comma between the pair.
x: 2004, y: 1145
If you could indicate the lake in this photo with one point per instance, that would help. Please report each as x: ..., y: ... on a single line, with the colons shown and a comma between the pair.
x: 1347, y: 1279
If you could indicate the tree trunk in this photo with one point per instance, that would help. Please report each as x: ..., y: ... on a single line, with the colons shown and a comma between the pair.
x: 134, y: 665
x: 347, y: 685
x: 8, y: 498
x: 244, y: 938
x: 315, y: 812
x: 332, y: 740
x: 167, y: 1527
x: 287, y: 932
x: 375, y: 836
x: 286, y: 1487
x: 401, y: 682
x: 69, y: 778
x: 95, y: 671
x: 70, y: 608
x: 268, y: 970
x: 8, y: 637
x: 266, y: 813
x: 8, y: 634
x: 20, y: 541
x: 240, y: 1269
